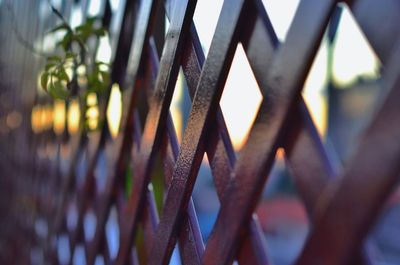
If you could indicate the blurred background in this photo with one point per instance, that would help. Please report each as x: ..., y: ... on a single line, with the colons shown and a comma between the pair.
x: 341, y: 92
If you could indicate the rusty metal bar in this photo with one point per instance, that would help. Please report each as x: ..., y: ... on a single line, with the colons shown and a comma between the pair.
x: 340, y: 229
x: 250, y: 171
x: 205, y: 103
x: 156, y: 118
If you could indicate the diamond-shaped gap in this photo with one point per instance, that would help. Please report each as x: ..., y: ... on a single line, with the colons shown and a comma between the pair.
x: 72, y: 214
x: 315, y: 89
x: 205, y: 198
x: 66, y: 150
x: 117, y: 7
x: 79, y: 257
x: 133, y: 259
x: 350, y: 40
x: 112, y: 232
x: 101, y: 170
x: 282, y: 215
x: 281, y: 14
x: 342, y: 88
x: 63, y: 249
x: 73, y: 117
x: 81, y: 167
x: 180, y: 105
x: 41, y: 228
x: 240, y: 100
x: 89, y: 224
x: 106, y: 163
x: 175, y: 257
x: 205, y: 19
x: 99, y: 260
x: 114, y: 111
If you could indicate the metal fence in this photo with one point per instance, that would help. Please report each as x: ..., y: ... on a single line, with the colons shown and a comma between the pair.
x: 87, y: 176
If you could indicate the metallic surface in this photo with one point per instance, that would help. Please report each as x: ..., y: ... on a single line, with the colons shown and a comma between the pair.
x: 330, y: 194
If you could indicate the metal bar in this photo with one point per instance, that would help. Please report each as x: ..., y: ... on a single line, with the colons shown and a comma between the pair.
x: 190, y: 243
x: 312, y: 170
x: 219, y: 150
x: 156, y: 119
x: 282, y: 121
x: 367, y: 181
x: 205, y: 103
x: 258, y: 154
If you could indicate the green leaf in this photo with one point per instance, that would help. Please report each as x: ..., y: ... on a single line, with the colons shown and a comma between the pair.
x: 90, y: 79
x: 50, y: 88
x: 62, y: 75
x: 100, y: 32
x: 90, y: 22
x: 94, y: 85
x: 49, y: 66
x: 54, y: 58
x: 58, y: 91
x: 82, y: 27
x: 60, y: 27
x: 70, y: 55
x: 96, y: 72
x: 65, y: 42
x: 44, y: 78
x: 78, y: 38
x: 105, y: 76
x: 98, y: 63
x: 84, y: 31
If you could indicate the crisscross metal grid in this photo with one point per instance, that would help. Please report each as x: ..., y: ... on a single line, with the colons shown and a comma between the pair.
x: 332, y: 197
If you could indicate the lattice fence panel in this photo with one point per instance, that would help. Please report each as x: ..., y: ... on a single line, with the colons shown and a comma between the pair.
x: 342, y: 204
